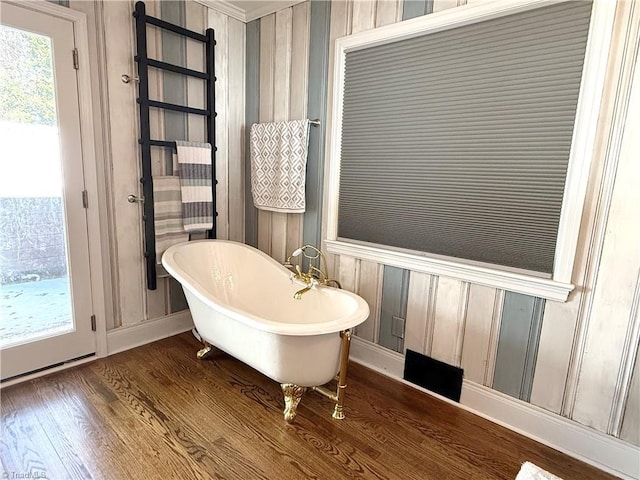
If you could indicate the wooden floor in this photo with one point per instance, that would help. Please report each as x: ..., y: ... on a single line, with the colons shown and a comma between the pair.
x: 158, y: 412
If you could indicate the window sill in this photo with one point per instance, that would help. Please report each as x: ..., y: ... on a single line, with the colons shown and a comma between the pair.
x: 504, y: 280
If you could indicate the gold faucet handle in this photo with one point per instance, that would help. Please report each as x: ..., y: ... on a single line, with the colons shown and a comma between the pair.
x: 305, y: 277
x: 320, y: 275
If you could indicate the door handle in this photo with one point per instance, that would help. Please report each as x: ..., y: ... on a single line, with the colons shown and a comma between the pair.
x: 134, y: 199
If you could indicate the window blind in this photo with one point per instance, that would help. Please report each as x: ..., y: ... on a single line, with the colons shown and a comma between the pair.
x: 457, y: 142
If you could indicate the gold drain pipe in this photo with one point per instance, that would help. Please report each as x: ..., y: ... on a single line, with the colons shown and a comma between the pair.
x: 338, y: 397
x: 322, y: 390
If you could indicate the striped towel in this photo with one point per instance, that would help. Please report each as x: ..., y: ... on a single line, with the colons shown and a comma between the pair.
x: 194, y: 169
x: 167, y: 208
x: 278, y: 165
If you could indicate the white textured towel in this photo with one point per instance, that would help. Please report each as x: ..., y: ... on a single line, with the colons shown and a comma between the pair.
x: 278, y: 165
x: 167, y: 210
x: 529, y: 471
x: 194, y: 170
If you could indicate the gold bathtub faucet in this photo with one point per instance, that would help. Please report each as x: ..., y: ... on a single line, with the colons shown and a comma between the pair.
x: 315, y: 274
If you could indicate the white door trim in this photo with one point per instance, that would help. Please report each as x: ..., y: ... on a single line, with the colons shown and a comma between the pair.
x: 79, y: 20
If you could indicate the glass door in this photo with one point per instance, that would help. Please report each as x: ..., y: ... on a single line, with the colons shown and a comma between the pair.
x: 45, y: 294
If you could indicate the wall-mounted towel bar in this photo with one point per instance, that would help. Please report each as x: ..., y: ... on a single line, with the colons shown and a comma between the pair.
x: 145, y: 103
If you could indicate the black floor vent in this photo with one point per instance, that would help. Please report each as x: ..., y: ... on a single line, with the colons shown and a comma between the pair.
x: 434, y: 375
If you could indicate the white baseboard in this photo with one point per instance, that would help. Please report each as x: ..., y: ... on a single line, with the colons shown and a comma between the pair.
x: 124, y: 338
x: 48, y: 371
x: 588, y: 445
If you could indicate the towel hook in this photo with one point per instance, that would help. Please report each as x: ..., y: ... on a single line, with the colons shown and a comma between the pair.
x: 127, y: 78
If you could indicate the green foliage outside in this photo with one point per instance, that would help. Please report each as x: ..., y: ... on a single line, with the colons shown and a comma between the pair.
x: 27, y: 92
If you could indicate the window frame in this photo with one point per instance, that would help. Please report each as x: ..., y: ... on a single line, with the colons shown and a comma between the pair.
x: 559, y: 285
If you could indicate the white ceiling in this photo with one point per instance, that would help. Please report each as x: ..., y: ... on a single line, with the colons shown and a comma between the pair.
x: 248, y: 10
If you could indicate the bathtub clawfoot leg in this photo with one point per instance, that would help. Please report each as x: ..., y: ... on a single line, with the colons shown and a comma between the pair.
x: 203, y: 352
x: 338, y: 412
x: 292, y: 395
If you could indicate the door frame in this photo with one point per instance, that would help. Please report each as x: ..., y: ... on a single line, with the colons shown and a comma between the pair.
x: 98, y: 261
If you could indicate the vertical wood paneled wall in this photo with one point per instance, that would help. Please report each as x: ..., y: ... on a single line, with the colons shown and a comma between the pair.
x: 577, y: 359
x: 230, y: 73
x: 283, y: 80
x: 133, y: 303
x: 121, y: 130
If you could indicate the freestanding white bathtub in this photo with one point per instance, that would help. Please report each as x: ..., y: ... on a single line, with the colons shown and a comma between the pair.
x: 241, y: 301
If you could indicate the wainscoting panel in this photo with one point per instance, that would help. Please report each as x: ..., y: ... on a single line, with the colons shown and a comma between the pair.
x: 449, y: 320
x: 370, y: 288
x: 480, y: 323
x: 366, y: 279
x: 554, y: 352
x: 393, y: 308
x: 348, y: 271
x: 518, y: 344
x: 418, y: 329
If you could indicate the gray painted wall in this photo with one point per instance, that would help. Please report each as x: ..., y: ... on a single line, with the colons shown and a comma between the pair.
x: 174, y: 85
x: 416, y: 8
x: 393, y: 308
x: 62, y: 3
x: 252, y: 115
x: 317, y: 109
x: 174, y: 90
x: 518, y: 345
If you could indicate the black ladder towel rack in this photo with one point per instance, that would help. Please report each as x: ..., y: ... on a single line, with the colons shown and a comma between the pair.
x: 144, y: 103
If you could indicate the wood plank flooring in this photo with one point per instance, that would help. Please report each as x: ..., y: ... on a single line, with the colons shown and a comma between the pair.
x: 156, y: 412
